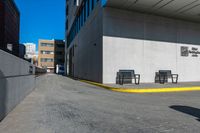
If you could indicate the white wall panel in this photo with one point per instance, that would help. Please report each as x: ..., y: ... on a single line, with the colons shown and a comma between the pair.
x: 148, y: 43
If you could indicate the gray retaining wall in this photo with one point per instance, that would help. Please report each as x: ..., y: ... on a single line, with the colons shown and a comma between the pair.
x: 16, y: 81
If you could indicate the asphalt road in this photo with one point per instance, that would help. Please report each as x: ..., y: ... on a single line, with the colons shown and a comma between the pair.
x: 62, y: 105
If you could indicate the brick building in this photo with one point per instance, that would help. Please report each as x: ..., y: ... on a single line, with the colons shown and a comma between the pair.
x: 50, y: 54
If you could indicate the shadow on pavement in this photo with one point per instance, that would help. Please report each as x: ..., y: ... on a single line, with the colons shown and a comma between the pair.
x: 3, y: 87
x: 187, y: 110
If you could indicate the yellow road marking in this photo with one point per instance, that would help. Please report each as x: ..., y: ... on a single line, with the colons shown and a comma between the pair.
x: 145, y: 90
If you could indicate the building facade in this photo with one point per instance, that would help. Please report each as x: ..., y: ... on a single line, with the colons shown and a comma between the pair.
x: 59, y: 52
x: 51, y: 53
x: 104, y: 36
x: 30, y: 50
x: 31, y: 53
x: 22, y: 51
x: 9, y: 26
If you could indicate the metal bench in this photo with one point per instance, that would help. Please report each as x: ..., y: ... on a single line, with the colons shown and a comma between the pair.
x: 163, y: 75
x: 126, y: 76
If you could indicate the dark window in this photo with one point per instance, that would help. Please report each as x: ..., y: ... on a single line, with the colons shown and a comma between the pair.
x: 46, y: 60
x: 84, y: 12
x: 91, y: 3
x: 47, y: 52
x: 59, y: 53
x: 81, y: 18
x: 92, y: 6
x: 46, y: 44
x: 60, y: 45
x: 88, y: 8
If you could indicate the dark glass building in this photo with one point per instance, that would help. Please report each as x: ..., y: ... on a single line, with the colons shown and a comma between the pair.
x: 9, y: 26
x: 22, y: 50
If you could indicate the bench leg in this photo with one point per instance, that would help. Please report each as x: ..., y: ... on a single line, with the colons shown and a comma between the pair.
x: 137, y: 79
x: 121, y: 80
x: 162, y: 81
x: 176, y: 80
x: 172, y: 79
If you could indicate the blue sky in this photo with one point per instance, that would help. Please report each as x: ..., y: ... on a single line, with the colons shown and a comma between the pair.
x: 41, y: 19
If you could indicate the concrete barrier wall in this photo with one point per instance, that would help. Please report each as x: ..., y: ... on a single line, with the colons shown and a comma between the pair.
x: 16, y: 82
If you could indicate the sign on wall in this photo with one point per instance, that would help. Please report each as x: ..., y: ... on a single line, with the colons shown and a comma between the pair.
x: 186, y: 51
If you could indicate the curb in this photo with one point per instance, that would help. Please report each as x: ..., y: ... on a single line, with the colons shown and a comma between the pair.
x: 144, y: 90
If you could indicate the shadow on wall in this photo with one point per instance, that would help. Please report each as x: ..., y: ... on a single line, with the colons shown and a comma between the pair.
x: 187, y: 110
x: 150, y: 28
x: 3, y: 87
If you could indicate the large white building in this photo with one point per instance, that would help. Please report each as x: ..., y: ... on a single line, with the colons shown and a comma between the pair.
x: 30, y: 50
x: 104, y: 36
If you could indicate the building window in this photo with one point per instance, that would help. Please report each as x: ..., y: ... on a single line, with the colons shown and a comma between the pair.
x: 84, y: 12
x: 46, y: 60
x: 78, y: 22
x: 59, y: 61
x: 47, y: 52
x: 82, y: 15
x: 59, y: 53
x: 60, y: 45
x: 92, y: 4
x: 67, y: 10
x: 81, y: 18
x: 46, y: 45
x: 88, y: 8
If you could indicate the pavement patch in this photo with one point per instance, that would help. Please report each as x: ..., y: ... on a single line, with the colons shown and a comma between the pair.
x: 144, y: 90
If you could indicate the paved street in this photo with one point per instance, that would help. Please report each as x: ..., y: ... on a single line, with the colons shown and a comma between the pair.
x: 62, y: 105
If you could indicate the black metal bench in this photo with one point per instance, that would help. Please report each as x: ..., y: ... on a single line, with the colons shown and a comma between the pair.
x: 163, y: 75
x: 126, y: 76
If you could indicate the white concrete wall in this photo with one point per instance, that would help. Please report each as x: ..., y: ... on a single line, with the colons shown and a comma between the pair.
x: 148, y: 43
x: 87, y: 58
x: 15, y: 82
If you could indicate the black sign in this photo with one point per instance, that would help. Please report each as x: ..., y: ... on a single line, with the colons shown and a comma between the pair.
x: 184, y: 51
x: 194, y: 52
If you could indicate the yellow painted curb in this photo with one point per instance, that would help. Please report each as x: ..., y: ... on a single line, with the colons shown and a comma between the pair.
x: 146, y: 90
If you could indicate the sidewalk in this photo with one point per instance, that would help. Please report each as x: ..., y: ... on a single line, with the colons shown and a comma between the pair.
x: 150, y: 87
